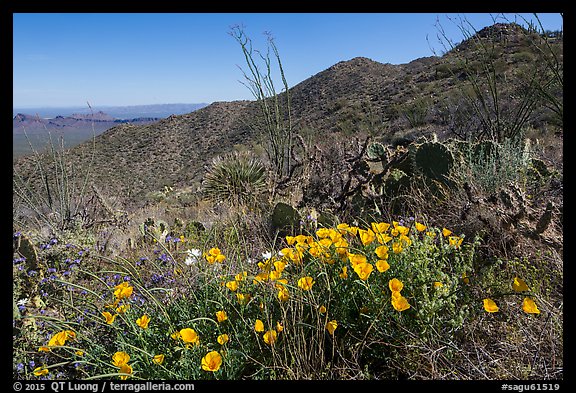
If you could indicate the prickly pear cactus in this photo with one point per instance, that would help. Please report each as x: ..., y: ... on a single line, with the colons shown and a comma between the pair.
x: 433, y: 160
x: 285, y: 219
x: 395, y: 182
x: 24, y: 246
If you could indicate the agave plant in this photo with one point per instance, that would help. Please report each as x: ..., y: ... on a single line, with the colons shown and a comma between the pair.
x: 236, y: 178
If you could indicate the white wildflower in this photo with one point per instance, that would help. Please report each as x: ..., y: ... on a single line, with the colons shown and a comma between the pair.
x: 193, y: 256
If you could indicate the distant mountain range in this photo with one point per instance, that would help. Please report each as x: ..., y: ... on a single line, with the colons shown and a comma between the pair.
x: 118, y: 112
x: 33, y: 124
x: 75, y: 125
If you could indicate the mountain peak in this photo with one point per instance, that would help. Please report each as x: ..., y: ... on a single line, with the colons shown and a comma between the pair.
x: 357, y: 62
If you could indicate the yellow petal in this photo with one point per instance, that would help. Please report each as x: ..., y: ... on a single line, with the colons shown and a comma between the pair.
x: 519, y: 285
x: 490, y: 306
x: 529, y: 306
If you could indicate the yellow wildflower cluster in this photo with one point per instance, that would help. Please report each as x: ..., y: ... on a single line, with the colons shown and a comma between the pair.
x: 271, y: 335
x: 518, y: 285
x: 122, y: 292
x: 215, y: 255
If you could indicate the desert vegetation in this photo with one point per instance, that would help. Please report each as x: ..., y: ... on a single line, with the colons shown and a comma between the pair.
x: 420, y: 239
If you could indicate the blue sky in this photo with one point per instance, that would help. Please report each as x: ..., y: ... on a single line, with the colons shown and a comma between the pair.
x: 136, y: 59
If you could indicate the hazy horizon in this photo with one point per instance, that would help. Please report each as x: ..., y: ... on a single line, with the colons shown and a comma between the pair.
x: 128, y: 111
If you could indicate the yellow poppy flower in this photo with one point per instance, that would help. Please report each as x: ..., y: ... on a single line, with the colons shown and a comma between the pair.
x: 382, y: 252
x: 399, y: 302
x: 343, y: 228
x: 221, y: 316
x: 261, y: 277
x: 490, y: 306
x: 259, y: 326
x: 334, y: 235
x: 529, y: 306
x: 240, y: 276
x: 303, y: 239
x: 189, y: 336
x: 405, y: 239
x: 331, y: 326
x: 214, y: 251
x: 243, y: 299
x: 322, y: 233
x: 446, y: 232
x: 383, y: 238
x: 519, y: 285
x: 353, y: 230
x: 223, y: 339
x: 274, y: 275
x: 305, y: 283
x: 322, y: 309
x: 212, y: 361
x: 215, y: 255
x: 395, y: 285
x: 175, y: 335
x: 382, y: 265
x: 123, y: 308
x: 431, y: 234
x: 279, y: 327
x: 341, y: 247
x: 232, y: 285
x: 40, y: 371
x: 283, y: 294
x: 120, y: 358
x: 158, y: 359
x: 79, y: 353
x: 344, y: 272
x: 123, y: 291
x: 366, y: 236
x: 290, y: 240
x: 379, y: 227
x: 125, y: 369
x: 58, y: 340
x: 143, y: 321
x: 109, y: 317
x: 455, y: 241
x: 356, y: 259
x: 279, y: 266
x: 363, y: 270
x: 397, y: 247
x: 270, y: 337
x: 419, y: 227
x: 438, y: 284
